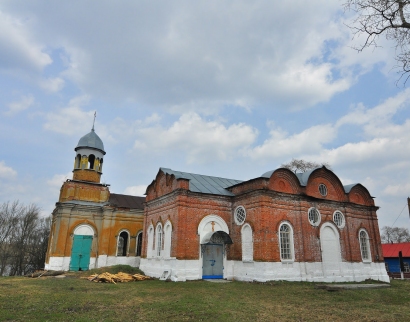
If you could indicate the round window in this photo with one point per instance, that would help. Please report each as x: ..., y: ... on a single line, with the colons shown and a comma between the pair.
x: 339, y: 219
x: 240, y: 215
x: 314, y: 216
x: 323, y: 190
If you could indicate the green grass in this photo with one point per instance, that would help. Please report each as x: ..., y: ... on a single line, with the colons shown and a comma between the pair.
x: 75, y: 299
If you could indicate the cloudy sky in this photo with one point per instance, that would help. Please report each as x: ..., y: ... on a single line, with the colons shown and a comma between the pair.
x: 223, y: 88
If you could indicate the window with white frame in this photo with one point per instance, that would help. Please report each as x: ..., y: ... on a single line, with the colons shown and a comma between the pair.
x: 240, y: 215
x: 247, y: 243
x: 406, y: 267
x: 314, y: 216
x: 339, y: 219
x: 150, y: 244
x: 138, y: 246
x: 364, y: 246
x: 158, y: 241
x: 286, y: 242
x: 167, y: 239
x: 122, y: 244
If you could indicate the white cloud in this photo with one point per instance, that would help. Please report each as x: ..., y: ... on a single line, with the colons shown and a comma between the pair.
x: 6, y: 172
x: 397, y: 189
x: 135, y: 190
x: 308, y: 142
x: 58, y: 179
x: 71, y: 119
x: 199, y: 139
x: 24, y: 103
x: 18, y: 50
x: 53, y: 84
x: 181, y: 54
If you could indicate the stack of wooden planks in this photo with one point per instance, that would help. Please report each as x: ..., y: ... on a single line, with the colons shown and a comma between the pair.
x: 117, y: 278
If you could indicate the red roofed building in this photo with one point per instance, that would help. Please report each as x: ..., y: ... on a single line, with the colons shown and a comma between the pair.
x: 391, y: 258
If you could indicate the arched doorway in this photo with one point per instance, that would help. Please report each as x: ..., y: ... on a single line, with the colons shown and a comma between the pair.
x: 331, y: 255
x: 213, y: 254
x: 214, y: 235
x: 81, y: 249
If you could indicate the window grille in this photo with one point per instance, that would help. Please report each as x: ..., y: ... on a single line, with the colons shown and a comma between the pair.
x: 285, y: 242
x: 314, y: 216
x: 159, y: 240
x: 364, y: 247
x: 240, y: 215
x: 323, y: 190
x: 339, y: 219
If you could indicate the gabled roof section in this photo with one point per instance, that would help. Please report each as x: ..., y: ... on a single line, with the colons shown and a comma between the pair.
x: 204, y: 184
x: 303, y: 177
x: 126, y: 201
x: 392, y: 250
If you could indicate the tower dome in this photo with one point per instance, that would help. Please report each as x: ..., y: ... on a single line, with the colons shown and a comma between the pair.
x: 91, y: 141
x: 89, y: 158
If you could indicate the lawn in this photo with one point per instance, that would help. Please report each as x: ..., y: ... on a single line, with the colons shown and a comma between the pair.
x: 75, y: 299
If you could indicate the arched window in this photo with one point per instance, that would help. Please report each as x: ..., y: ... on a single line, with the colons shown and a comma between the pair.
x: 91, y: 159
x: 78, y: 161
x: 364, y: 246
x: 101, y: 164
x: 122, y: 244
x: 286, y: 242
x: 167, y: 239
x: 139, y: 244
x: 247, y: 243
x: 158, y: 244
x: 150, y: 244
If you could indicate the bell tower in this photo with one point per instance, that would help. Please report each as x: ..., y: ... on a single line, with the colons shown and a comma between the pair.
x: 89, y: 158
x: 88, y: 164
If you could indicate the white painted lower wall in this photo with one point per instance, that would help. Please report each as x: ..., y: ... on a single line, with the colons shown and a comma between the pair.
x: 63, y: 263
x: 183, y: 270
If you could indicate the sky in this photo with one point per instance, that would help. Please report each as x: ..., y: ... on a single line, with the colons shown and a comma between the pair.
x: 222, y: 88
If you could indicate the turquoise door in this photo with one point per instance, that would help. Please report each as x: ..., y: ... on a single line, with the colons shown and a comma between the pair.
x: 80, y: 253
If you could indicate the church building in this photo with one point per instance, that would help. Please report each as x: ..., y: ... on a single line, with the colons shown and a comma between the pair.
x: 279, y: 226
x: 92, y: 227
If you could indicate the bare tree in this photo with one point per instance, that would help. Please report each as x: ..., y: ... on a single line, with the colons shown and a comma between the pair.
x: 23, y: 238
x: 299, y: 165
x: 8, y: 221
x: 387, y: 18
x: 395, y: 235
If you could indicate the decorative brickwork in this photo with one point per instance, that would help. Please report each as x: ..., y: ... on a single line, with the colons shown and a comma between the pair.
x: 269, y: 202
x: 86, y: 175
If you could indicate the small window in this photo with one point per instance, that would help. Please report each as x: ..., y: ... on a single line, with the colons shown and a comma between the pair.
x: 339, y: 219
x: 240, y: 215
x: 406, y: 267
x: 314, y: 216
x: 364, y: 246
x: 286, y: 242
x: 323, y: 190
x: 139, y: 245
